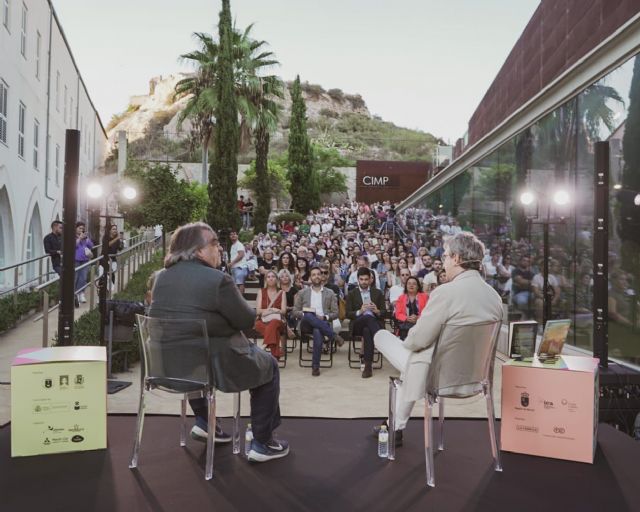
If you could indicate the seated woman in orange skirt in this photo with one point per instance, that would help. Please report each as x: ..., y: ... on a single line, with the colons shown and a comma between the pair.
x: 271, y: 307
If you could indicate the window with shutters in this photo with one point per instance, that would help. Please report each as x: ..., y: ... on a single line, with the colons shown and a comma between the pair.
x: 4, y: 93
x: 22, y: 112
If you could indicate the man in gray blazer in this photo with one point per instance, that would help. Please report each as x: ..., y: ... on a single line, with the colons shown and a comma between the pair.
x: 465, y: 299
x: 190, y: 287
x: 316, y: 307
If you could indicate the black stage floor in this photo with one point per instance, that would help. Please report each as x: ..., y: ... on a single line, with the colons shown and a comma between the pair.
x: 333, y: 466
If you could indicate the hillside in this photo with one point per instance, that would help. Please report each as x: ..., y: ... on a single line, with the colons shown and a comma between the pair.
x: 335, y: 119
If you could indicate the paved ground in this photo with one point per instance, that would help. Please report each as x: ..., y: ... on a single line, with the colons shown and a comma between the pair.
x: 339, y: 392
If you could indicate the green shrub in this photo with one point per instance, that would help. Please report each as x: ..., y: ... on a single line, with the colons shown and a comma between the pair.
x: 355, y: 100
x: 327, y: 112
x: 245, y: 235
x: 289, y: 217
x: 336, y: 94
x: 314, y: 90
x: 14, y: 308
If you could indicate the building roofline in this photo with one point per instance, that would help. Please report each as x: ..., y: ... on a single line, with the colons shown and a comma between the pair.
x: 75, y: 65
x: 613, y: 51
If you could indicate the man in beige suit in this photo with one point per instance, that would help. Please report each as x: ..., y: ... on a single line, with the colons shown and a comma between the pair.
x: 465, y: 299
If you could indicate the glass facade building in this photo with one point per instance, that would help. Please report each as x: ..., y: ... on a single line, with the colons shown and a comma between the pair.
x: 557, y: 153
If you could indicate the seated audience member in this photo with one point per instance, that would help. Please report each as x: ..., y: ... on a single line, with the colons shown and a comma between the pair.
x: 522, y: 276
x: 363, y: 262
x: 316, y: 307
x: 398, y: 289
x: 431, y: 278
x: 271, y: 310
x: 409, y: 306
x: 302, y: 271
x: 466, y: 299
x: 365, y: 308
x: 286, y: 261
x: 190, y: 287
x: 290, y: 290
x: 265, y: 264
x: 427, y: 266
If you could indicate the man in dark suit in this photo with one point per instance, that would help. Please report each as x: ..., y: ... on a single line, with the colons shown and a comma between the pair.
x: 190, y: 287
x: 365, y: 309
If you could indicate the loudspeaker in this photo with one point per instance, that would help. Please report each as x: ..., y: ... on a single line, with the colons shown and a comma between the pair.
x: 601, y: 254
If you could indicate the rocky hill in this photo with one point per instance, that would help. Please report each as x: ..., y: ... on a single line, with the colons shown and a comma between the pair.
x: 335, y: 119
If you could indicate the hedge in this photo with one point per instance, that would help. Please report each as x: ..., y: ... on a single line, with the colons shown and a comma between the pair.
x: 11, y: 313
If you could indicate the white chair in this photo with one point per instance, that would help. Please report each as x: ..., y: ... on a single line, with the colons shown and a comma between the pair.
x: 176, y: 359
x: 461, y: 367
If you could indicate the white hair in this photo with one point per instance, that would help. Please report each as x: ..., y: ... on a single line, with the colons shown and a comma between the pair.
x: 468, y: 247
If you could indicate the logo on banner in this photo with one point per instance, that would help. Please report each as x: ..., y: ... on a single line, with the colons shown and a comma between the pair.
x: 77, y: 439
x: 524, y: 399
x: 559, y: 430
x: 48, y: 383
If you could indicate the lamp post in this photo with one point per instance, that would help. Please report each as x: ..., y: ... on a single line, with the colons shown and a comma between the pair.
x: 95, y: 190
x: 560, y: 198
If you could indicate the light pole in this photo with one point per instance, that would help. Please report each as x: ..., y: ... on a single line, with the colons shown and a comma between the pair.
x: 561, y: 198
x: 96, y: 190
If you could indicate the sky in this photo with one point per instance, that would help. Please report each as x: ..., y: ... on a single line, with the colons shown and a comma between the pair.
x: 422, y: 64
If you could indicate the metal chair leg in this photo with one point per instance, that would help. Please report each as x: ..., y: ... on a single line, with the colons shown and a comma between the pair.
x: 140, y: 424
x: 428, y: 442
x: 211, y: 427
x: 183, y: 421
x: 441, y: 424
x: 236, y: 423
x: 495, y: 445
x: 393, y: 393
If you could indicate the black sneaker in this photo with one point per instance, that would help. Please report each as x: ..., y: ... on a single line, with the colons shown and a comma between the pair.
x: 274, y: 449
x: 199, y: 434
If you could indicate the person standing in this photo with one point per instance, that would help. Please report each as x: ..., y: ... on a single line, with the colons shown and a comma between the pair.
x: 84, y: 253
x: 115, y: 246
x: 238, y: 263
x: 365, y: 308
x: 53, y: 246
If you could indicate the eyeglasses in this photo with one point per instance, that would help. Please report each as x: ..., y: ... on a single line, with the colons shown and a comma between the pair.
x: 325, y: 272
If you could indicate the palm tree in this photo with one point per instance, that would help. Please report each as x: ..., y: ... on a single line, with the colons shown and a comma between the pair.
x: 201, y: 106
x: 250, y: 57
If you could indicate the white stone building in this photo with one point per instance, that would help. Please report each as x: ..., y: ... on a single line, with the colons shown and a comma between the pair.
x: 42, y: 94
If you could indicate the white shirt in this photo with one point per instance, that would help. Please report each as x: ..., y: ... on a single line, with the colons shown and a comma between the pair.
x: 235, y: 249
x: 327, y: 227
x: 430, y: 278
x: 395, y: 292
x: 538, y: 281
x: 315, y: 229
x: 316, y: 301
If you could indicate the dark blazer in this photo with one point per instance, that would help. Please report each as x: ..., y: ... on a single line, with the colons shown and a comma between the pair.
x: 192, y: 289
x: 354, y: 303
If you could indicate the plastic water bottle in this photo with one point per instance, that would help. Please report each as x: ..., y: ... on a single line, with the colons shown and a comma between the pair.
x: 248, y: 437
x: 383, y: 442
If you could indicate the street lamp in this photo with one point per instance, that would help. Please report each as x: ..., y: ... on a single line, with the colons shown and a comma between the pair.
x: 561, y: 198
x: 96, y: 190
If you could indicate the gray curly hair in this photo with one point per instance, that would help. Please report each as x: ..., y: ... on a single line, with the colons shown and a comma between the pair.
x: 468, y: 247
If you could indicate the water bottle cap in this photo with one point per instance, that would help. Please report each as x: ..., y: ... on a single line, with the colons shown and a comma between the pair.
x: 383, y: 428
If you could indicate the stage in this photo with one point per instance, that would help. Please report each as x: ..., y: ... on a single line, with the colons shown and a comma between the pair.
x: 333, y: 466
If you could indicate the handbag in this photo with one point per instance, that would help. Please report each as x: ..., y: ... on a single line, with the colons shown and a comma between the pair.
x: 272, y: 316
x: 342, y: 309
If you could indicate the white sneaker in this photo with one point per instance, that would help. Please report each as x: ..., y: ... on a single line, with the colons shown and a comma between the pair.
x: 82, y: 298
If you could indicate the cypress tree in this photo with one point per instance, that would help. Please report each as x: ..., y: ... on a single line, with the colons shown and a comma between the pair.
x: 263, y: 188
x: 304, y: 188
x: 223, y: 172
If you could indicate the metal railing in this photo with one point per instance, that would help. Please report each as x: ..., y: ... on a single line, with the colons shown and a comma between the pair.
x: 128, y: 262
x: 45, y: 271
